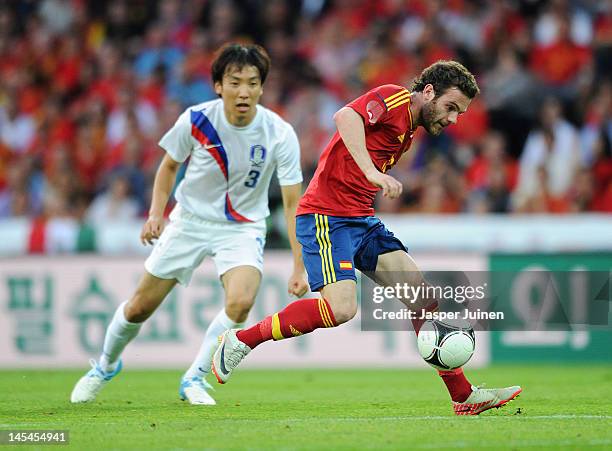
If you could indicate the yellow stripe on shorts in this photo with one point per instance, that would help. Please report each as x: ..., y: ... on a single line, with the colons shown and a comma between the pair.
x: 330, y: 260
x: 327, y: 265
x: 319, y: 234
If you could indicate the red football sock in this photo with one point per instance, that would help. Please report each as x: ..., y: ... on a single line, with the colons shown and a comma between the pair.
x: 458, y: 386
x: 298, y: 318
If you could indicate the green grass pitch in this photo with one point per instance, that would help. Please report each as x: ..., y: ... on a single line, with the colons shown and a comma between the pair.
x: 562, y: 407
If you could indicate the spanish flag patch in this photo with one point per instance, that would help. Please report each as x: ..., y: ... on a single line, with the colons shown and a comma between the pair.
x: 345, y: 264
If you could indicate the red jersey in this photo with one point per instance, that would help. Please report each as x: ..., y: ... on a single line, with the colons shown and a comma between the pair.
x: 339, y: 187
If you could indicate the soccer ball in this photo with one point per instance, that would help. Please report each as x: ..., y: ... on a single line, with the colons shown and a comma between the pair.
x: 446, y: 345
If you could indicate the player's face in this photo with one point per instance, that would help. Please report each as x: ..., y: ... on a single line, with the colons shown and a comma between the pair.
x: 439, y: 112
x: 240, y: 90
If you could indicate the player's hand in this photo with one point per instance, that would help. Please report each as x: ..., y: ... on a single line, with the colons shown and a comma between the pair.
x: 152, y: 229
x: 297, y: 285
x: 390, y: 186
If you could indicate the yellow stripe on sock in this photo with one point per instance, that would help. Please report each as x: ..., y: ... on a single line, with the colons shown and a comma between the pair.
x: 321, y: 246
x: 276, y: 330
x: 329, y: 317
x: 330, y: 260
x: 322, y: 313
x: 325, y: 314
x: 397, y: 94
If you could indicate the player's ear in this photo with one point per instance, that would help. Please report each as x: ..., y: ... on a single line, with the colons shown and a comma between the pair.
x: 218, y: 88
x: 428, y: 92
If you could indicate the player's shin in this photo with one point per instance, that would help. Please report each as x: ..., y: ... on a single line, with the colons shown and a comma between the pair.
x: 298, y: 318
x: 201, y: 364
x: 420, y: 306
x: 118, y: 334
x: 459, y: 388
x: 420, y: 318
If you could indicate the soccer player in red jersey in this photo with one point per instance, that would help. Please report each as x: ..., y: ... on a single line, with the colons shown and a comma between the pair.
x: 339, y: 233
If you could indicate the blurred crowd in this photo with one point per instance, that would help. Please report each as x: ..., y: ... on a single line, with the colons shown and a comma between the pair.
x: 87, y: 88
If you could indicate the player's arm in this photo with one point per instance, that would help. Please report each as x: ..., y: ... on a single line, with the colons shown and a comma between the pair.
x: 162, y: 188
x: 352, y: 131
x: 291, y: 195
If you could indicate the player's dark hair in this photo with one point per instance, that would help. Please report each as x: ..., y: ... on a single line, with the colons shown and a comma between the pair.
x: 444, y: 75
x: 238, y: 56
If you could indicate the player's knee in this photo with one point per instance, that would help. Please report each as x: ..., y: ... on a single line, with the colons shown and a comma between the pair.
x: 238, y: 306
x: 344, y: 311
x: 342, y: 299
x: 344, y: 314
x: 136, y: 311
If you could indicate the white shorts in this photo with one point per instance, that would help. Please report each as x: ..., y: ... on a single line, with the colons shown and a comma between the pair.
x: 188, y: 239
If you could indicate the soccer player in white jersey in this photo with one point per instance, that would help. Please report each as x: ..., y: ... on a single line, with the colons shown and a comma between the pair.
x: 234, y: 146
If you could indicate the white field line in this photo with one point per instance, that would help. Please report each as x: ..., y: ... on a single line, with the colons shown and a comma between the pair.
x: 521, y: 417
x: 514, y: 444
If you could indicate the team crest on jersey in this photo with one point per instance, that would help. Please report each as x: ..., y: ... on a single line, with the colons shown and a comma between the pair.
x: 375, y: 110
x: 258, y: 155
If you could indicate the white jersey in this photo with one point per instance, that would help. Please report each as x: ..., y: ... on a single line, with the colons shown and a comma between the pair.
x: 230, y: 169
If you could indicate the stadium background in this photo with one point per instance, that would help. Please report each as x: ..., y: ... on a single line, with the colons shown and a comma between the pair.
x: 87, y: 89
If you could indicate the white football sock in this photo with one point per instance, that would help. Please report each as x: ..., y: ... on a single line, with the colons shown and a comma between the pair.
x: 201, y: 364
x: 119, y: 333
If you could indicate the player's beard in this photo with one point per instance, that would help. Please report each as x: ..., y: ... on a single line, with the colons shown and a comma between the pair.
x: 428, y: 118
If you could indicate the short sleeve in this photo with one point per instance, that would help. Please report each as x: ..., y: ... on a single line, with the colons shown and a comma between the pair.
x: 288, y: 168
x: 375, y: 105
x: 177, y: 141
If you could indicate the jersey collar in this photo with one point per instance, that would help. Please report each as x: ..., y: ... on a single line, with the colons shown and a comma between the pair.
x: 256, y: 120
x: 412, y: 128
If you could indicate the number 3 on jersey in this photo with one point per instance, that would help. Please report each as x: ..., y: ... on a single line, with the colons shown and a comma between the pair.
x: 252, y: 179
